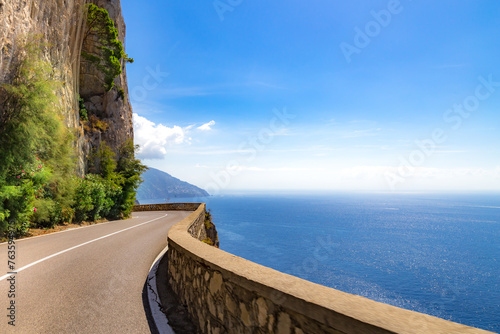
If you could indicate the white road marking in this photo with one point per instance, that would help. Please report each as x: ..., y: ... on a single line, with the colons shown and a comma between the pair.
x: 70, y: 229
x: 80, y: 245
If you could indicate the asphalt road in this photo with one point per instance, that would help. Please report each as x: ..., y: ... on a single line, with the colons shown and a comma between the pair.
x: 86, y: 280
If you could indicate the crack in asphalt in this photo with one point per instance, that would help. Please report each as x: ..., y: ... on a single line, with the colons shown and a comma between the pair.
x: 148, y: 282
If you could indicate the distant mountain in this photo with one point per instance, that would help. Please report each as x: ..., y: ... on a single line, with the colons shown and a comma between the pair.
x: 158, y: 184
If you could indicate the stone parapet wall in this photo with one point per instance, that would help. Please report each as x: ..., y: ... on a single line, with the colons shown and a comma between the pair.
x: 167, y: 207
x: 197, y: 228
x: 224, y: 293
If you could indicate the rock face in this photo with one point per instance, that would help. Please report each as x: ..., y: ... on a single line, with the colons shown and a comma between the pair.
x: 62, y: 25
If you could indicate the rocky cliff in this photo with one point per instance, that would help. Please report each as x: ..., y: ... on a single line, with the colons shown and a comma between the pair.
x: 62, y: 25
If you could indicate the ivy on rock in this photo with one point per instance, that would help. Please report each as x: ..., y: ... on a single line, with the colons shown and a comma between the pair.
x: 109, y: 49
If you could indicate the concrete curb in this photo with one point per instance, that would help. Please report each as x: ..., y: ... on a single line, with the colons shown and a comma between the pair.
x: 159, y: 318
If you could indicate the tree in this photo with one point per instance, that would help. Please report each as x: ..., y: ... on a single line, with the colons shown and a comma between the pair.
x: 130, y: 170
x: 35, y: 147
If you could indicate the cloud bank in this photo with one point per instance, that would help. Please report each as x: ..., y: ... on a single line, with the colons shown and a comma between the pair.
x: 154, y: 139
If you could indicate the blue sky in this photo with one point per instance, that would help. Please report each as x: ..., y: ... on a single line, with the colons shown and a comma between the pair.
x: 319, y: 95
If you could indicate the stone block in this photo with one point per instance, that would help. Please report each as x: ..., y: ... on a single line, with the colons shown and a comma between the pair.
x: 220, y: 311
x: 262, y: 311
x: 284, y: 323
x: 215, y: 283
x: 245, y: 316
x: 270, y: 324
x: 230, y: 304
x: 211, y: 305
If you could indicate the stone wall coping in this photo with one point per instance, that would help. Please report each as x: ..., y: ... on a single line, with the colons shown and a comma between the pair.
x: 342, y: 311
x: 166, y: 207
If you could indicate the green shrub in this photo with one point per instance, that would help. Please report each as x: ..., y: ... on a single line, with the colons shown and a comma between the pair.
x: 67, y: 215
x: 47, y: 213
x: 83, y: 111
x: 103, y: 161
x: 122, y: 177
x: 128, y: 170
x: 17, y: 200
x: 95, y: 198
x: 89, y: 197
x: 208, y: 241
x: 98, y: 124
x: 121, y: 93
x: 113, y: 199
x: 208, y: 219
x: 83, y: 201
x: 16, y: 207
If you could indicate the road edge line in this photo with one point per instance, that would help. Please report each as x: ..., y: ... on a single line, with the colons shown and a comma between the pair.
x: 77, y: 246
x: 69, y: 229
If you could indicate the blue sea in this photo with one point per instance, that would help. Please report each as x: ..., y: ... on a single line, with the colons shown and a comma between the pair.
x: 435, y: 254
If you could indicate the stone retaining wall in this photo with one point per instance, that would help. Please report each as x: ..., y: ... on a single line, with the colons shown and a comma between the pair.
x: 224, y: 293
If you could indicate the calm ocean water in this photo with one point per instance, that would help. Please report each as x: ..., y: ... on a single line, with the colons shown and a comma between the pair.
x: 436, y: 254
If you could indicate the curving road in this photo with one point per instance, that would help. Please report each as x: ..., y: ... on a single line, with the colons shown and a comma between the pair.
x: 86, y: 280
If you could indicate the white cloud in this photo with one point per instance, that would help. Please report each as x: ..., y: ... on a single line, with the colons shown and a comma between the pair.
x: 153, y: 139
x: 206, y: 126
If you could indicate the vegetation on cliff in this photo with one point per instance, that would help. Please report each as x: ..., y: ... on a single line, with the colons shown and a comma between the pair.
x: 35, y: 147
x: 212, y: 238
x: 38, y: 182
x: 109, y: 190
x: 109, y: 49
